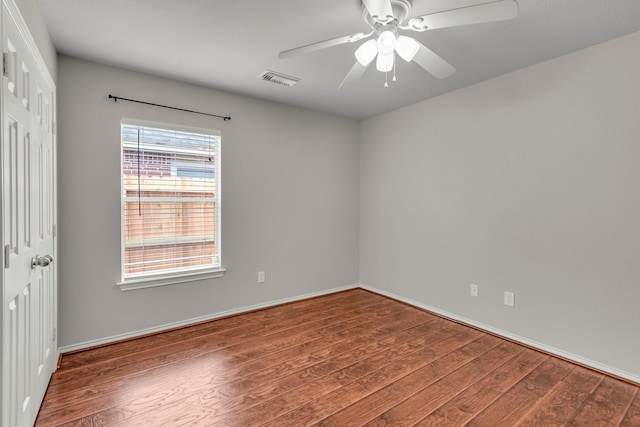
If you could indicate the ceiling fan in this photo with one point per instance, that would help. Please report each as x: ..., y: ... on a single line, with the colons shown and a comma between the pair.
x: 387, y: 18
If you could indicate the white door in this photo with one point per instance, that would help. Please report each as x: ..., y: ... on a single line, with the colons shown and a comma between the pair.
x: 28, y: 216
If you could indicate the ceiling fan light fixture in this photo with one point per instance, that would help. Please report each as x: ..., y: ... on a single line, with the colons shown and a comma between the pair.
x: 385, y: 62
x: 367, y: 52
x: 386, y: 43
x: 386, y: 17
x: 407, y: 48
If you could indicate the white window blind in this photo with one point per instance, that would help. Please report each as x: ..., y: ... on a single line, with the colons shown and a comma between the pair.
x: 170, y: 200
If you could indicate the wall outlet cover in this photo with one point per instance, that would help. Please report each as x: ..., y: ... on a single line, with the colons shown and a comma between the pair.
x: 509, y: 299
x: 473, y: 290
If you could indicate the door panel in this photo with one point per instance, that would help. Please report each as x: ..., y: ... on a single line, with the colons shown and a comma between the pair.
x: 28, y: 216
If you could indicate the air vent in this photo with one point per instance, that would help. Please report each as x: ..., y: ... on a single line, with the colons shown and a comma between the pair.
x: 279, y: 78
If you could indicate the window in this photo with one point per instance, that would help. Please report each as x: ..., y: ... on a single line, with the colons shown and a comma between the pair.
x: 170, y: 204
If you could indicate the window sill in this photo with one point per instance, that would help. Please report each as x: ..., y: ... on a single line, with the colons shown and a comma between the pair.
x: 169, y: 279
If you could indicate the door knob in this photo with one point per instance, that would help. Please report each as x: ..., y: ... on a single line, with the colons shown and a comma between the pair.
x: 41, y: 261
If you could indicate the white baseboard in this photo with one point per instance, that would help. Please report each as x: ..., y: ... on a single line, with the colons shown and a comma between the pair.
x: 530, y: 343
x: 174, y: 325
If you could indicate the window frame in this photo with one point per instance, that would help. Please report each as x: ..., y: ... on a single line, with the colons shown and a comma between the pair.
x: 172, y: 277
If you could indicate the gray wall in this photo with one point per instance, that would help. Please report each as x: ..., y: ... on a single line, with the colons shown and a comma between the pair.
x: 32, y: 15
x: 529, y: 182
x: 289, y: 207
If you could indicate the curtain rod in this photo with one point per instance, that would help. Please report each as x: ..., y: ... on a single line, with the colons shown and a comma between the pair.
x: 116, y: 98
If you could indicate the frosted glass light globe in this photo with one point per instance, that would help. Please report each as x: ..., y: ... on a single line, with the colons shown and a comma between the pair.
x: 386, y: 43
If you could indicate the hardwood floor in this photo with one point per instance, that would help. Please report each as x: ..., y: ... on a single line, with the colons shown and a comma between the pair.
x: 346, y: 359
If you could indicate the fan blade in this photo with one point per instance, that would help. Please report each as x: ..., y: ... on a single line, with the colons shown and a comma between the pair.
x: 323, y: 44
x: 430, y: 61
x: 354, y: 75
x: 488, y: 12
x: 380, y: 10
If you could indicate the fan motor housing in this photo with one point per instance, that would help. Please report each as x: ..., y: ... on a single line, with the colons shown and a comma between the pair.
x: 401, y: 9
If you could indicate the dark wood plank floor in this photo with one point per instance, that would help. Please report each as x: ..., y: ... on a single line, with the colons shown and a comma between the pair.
x: 346, y: 359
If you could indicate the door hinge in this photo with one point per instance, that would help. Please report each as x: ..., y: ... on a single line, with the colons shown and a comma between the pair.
x: 53, y: 128
x: 54, y: 334
x: 7, y: 256
x: 55, y: 230
x: 5, y: 64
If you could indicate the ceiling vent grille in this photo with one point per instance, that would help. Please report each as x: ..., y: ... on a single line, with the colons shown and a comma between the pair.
x: 279, y: 78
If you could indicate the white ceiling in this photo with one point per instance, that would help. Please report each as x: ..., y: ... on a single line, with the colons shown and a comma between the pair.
x: 227, y: 44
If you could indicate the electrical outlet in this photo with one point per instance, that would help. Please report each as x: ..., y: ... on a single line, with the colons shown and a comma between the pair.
x: 261, y: 277
x: 509, y: 299
x: 474, y: 290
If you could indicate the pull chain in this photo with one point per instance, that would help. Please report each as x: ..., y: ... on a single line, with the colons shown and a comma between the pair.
x: 394, y: 70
